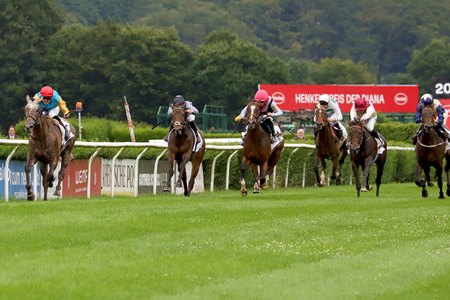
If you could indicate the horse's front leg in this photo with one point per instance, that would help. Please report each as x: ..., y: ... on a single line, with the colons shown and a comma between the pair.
x: 50, y: 175
x: 447, y: 172
x: 244, y: 166
x: 340, y: 164
x: 30, y: 163
x: 44, y: 173
x: 171, y: 161
x: 366, y: 171
x: 196, y: 162
x: 257, y: 177
x: 355, y: 168
x: 439, y: 180
x: 316, y: 170
x: 182, y: 177
x: 334, y: 171
x: 64, y: 163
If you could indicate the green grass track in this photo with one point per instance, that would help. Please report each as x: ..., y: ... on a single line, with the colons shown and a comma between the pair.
x: 311, y: 243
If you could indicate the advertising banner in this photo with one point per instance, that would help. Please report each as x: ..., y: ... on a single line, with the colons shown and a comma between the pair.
x: 147, y: 178
x: 123, y: 177
x: 386, y: 98
x: 17, y: 179
x: 76, y: 178
x: 446, y: 104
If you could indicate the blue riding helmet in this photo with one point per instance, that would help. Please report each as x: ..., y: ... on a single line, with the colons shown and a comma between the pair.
x: 426, y: 99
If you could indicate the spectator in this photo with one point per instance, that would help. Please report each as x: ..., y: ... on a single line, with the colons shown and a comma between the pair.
x: 12, y: 133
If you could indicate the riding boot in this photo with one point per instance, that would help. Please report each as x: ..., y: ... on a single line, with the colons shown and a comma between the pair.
x: 379, y: 141
x: 194, y: 127
x: 67, y: 134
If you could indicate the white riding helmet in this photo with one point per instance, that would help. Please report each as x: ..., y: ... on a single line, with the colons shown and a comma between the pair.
x: 324, y: 98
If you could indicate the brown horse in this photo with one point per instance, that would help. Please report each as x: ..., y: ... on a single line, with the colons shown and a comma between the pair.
x: 257, y: 150
x: 327, y: 147
x: 44, y: 146
x: 363, y: 151
x: 430, y: 152
x: 180, y: 149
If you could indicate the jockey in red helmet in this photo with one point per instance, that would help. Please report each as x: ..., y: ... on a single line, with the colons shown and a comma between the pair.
x: 51, y: 103
x: 363, y: 110
x: 268, y: 108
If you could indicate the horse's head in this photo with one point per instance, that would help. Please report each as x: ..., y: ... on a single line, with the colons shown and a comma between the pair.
x: 428, y: 118
x: 253, y: 113
x: 178, y: 118
x: 32, y: 114
x: 320, y: 117
x: 356, y: 134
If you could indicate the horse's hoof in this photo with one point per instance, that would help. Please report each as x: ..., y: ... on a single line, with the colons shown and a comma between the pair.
x: 424, y: 193
x: 255, y: 191
x: 166, y: 189
x: 244, y: 193
x: 364, y: 189
x: 30, y: 197
x: 265, y: 186
x: 338, y: 181
x: 430, y: 184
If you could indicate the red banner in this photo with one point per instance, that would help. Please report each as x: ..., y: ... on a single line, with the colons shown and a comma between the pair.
x: 75, y: 179
x: 385, y: 98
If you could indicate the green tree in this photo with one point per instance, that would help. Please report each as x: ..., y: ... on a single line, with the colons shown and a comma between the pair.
x: 25, y: 27
x: 227, y: 71
x: 337, y: 71
x: 430, y: 64
x: 101, y: 64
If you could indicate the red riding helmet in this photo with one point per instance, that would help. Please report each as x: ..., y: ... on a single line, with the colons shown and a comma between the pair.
x: 47, y: 91
x: 261, y: 95
x: 361, y: 104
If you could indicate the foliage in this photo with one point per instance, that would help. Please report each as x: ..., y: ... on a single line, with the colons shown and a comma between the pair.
x: 24, y: 29
x: 337, y: 71
x: 236, y: 67
x: 430, y: 64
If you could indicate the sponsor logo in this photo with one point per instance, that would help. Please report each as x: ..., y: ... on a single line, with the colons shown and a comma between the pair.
x: 278, y: 97
x: 401, y: 99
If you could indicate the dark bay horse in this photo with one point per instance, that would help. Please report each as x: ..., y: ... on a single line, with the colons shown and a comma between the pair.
x: 180, y: 149
x: 327, y: 147
x: 44, y: 146
x: 257, y: 150
x: 430, y: 152
x: 363, y: 151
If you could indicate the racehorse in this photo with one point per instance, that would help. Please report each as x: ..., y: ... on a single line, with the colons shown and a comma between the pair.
x: 44, y: 146
x: 257, y: 150
x: 430, y: 152
x: 327, y: 147
x: 363, y: 151
x: 180, y: 149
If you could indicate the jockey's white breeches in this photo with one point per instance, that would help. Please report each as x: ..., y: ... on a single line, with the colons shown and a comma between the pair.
x: 190, y: 117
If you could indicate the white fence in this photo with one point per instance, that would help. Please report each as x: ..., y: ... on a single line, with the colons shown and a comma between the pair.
x: 216, y: 144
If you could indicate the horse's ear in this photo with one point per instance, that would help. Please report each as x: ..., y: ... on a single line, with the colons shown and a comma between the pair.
x: 28, y: 99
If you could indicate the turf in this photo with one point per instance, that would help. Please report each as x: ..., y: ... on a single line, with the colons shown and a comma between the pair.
x: 312, y: 243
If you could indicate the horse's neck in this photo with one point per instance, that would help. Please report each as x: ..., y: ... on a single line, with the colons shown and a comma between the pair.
x: 41, y: 130
x: 430, y: 138
x: 326, y: 133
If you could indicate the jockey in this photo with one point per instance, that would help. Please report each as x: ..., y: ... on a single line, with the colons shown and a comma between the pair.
x: 51, y: 103
x: 190, y: 110
x: 366, y: 112
x: 427, y: 100
x: 268, y: 108
x: 332, y: 108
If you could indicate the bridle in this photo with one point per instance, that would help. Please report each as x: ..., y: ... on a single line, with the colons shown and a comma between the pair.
x: 356, y: 145
x: 35, y: 116
x: 320, y: 120
x: 177, y: 124
x: 253, y: 114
